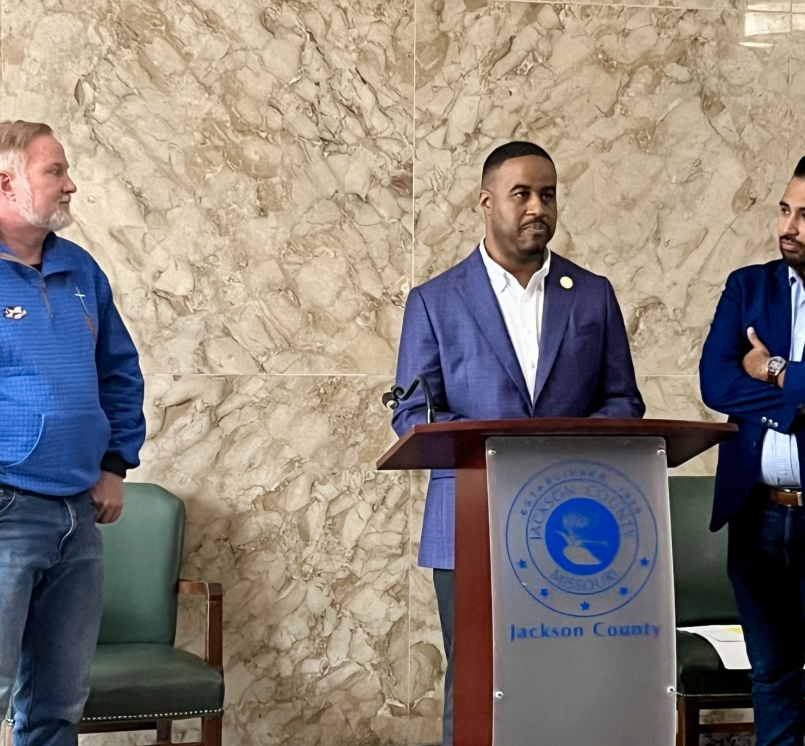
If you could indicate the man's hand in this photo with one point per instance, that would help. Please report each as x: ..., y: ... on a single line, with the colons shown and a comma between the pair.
x: 756, y: 361
x: 108, y: 497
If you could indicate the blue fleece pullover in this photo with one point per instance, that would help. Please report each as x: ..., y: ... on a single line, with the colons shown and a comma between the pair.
x: 71, y: 391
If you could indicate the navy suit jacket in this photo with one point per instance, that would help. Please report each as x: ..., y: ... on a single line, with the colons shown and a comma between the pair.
x: 757, y: 296
x: 454, y: 333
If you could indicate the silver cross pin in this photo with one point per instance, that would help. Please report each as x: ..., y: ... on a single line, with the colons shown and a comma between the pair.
x: 81, y: 296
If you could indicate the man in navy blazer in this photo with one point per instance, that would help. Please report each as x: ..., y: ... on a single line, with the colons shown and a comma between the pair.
x: 752, y: 370
x: 512, y: 331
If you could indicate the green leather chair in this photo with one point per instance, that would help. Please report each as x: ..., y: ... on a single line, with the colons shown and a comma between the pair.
x: 703, y: 595
x: 140, y: 681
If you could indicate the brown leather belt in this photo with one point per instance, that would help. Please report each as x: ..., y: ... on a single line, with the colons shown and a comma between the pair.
x: 792, y: 498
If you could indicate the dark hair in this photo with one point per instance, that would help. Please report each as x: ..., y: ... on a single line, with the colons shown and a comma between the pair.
x: 517, y: 149
x: 799, y: 171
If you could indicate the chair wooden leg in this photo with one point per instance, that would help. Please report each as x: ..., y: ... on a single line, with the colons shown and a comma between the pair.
x: 163, y: 733
x: 211, y: 731
x: 687, y: 733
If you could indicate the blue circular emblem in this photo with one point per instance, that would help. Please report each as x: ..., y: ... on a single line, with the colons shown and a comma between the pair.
x: 581, y: 538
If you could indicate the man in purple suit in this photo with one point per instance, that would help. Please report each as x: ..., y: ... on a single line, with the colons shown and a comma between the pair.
x: 512, y: 331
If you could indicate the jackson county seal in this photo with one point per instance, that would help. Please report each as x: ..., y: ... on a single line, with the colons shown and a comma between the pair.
x: 581, y: 538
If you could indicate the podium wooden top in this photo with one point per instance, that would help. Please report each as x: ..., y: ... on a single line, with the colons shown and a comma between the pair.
x: 460, y: 444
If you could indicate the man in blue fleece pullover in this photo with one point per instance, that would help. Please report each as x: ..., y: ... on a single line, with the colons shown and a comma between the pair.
x: 71, y: 423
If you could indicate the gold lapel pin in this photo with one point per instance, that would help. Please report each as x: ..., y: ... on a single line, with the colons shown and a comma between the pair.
x: 566, y: 283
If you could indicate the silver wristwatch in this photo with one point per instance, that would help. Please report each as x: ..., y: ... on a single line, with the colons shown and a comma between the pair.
x: 774, y: 367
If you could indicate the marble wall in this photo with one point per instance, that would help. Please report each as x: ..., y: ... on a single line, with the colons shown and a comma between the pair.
x: 265, y: 180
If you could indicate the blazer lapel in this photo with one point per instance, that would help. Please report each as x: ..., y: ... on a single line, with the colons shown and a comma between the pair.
x: 479, y: 297
x: 779, y: 311
x: 555, y: 314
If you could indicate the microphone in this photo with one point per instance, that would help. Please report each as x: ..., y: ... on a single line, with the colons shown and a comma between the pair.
x: 392, y: 399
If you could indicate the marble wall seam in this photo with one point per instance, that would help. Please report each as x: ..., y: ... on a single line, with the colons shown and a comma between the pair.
x: 2, y: 49
x: 411, y: 282
x: 413, y: 148
x: 666, y: 375
x: 337, y: 374
x: 652, y: 6
x: 791, y: 113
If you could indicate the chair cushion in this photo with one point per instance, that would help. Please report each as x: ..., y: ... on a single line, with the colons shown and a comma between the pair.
x: 140, y: 681
x: 700, y: 671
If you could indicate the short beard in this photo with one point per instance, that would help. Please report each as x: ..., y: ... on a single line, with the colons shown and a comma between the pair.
x: 796, y: 263
x: 56, y: 221
x: 533, y: 252
x: 519, y: 255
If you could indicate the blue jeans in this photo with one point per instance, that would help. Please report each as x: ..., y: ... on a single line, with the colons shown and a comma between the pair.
x: 766, y: 563
x: 50, y: 612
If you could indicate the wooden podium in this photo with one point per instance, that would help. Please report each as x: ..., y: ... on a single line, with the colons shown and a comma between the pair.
x: 462, y: 446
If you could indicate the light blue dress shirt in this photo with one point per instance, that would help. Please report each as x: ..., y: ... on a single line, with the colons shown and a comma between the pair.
x: 779, y: 466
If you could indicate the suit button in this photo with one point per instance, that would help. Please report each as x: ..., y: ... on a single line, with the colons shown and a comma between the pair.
x: 777, y: 424
x: 754, y: 444
x: 763, y: 420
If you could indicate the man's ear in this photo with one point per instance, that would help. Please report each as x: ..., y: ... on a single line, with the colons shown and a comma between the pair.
x: 485, y: 201
x: 7, y: 186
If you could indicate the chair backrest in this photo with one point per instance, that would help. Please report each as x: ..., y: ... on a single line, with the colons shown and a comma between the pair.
x: 142, y: 560
x: 702, y: 589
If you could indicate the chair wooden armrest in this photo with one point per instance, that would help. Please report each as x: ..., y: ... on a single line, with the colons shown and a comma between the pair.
x: 213, y: 638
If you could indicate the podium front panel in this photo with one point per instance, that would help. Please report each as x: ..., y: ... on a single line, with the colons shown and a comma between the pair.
x: 582, y: 592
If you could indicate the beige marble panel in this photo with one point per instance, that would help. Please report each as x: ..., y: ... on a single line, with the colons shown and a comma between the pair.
x: 244, y: 171
x: 679, y: 398
x: 310, y: 542
x: 670, y: 136
x: 427, y: 662
x: 796, y: 149
x: 776, y: 6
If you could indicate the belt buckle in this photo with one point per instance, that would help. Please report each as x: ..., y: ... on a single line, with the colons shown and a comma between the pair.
x: 797, y: 494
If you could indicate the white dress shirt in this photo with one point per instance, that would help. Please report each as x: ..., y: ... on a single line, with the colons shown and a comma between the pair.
x: 779, y: 465
x: 522, y: 311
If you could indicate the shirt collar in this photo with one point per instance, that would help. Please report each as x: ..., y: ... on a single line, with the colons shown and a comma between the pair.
x: 54, y: 257
x: 501, y: 279
x: 793, y: 277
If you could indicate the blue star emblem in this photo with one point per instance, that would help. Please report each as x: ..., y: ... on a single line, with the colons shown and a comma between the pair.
x: 624, y: 591
x: 543, y: 592
x: 523, y: 564
x: 585, y: 606
x: 644, y: 562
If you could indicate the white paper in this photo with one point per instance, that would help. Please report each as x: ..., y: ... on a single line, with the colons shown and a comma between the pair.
x: 728, y: 640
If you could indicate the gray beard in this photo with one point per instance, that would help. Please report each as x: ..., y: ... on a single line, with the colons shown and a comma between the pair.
x: 56, y: 221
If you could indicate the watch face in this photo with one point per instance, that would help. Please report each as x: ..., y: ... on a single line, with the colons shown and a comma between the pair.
x: 776, y: 365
